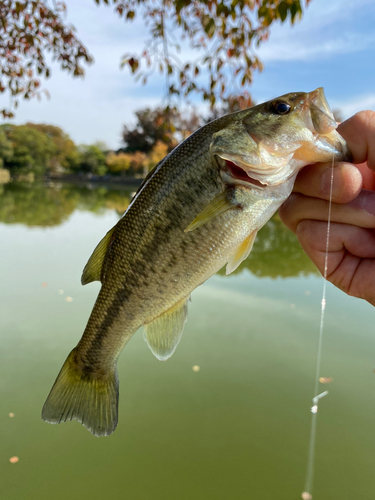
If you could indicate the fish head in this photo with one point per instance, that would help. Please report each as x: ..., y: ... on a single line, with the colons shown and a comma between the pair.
x: 266, y: 145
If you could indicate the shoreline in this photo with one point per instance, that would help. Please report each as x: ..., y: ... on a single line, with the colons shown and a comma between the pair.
x: 84, y: 180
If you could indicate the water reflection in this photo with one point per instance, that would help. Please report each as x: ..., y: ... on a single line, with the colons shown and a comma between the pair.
x: 276, y: 252
x: 230, y: 409
x: 45, y: 206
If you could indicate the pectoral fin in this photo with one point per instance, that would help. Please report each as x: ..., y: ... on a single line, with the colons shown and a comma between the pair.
x: 164, y: 333
x: 241, y: 253
x: 93, y: 268
x: 219, y: 205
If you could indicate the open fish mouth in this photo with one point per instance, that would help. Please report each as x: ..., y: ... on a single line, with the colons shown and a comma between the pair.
x: 238, y: 174
x: 283, y: 136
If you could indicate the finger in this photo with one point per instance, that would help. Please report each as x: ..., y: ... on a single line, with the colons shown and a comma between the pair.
x: 350, y: 263
x: 359, y: 212
x: 359, y: 133
x: 315, y: 181
x: 368, y: 176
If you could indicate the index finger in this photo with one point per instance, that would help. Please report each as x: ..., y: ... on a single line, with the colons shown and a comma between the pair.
x: 359, y: 133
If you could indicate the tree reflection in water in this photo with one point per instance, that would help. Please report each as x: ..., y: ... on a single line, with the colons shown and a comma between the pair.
x: 276, y: 252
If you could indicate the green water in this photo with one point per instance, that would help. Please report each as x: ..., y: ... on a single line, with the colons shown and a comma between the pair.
x: 236, y: 429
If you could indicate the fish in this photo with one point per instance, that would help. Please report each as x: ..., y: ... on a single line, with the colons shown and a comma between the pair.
x: 199, y: 209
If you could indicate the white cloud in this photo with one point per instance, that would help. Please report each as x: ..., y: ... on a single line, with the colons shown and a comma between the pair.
x: 295, y: 49
x: 356, y: 104
x: 326, y: 29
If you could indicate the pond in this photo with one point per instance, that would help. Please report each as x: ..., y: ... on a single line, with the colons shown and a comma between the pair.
x: 227, y: 417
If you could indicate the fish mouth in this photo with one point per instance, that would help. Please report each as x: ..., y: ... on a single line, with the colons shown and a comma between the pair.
x: 264, y: 148
x: 238, y: 174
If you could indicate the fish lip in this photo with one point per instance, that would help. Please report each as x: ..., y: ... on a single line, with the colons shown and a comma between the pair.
x: 237, y: 173
x: 320, y: 115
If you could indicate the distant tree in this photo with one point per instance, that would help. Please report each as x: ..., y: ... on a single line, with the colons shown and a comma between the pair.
x: 102, y: 146
x: 70, y: 160
x: 139, y: 163
x: 152, y: 126
x: 158, y: 152
x: 118, y: 163
x: 6, y: 149
x: 92, y: 160
x: 32, y: 150
x: 164, y: 125
x: 189, y: 122
x: 222, y: 34
x: 65, y: 154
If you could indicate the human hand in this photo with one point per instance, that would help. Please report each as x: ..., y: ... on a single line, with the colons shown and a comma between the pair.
x: 351, y: 250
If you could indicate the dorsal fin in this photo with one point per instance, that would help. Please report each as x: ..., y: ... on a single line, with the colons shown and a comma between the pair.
x: 164, y: 333
x: 93, y: 268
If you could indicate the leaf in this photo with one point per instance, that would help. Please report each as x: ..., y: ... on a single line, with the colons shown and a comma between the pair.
x: 124, y: 61
x: 295, y: 9
x: 283, y: 11
x: 210, y: 28
x: 262, y: 11
x: 134, y: 64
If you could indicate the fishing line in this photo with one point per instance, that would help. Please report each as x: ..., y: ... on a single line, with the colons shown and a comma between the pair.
x: 307, y: 494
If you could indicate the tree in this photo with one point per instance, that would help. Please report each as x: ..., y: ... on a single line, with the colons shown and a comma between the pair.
x: 37, y: 147
x: 118, y: 163
x: 92, y: 160
x: 158, y: 152
x: 65, y: 155
x: 139, y: 163
x: 32, y: 150
x: 6, y: 149
x: 152, y: 126
x: 166, y: 125
x: 222, y: 33
x: 30, y: 29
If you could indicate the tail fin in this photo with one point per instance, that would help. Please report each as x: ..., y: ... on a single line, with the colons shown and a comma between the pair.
x: 78, y: 395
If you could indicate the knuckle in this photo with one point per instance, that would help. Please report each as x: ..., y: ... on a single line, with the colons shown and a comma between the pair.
x: 287, y: 210
x: 366, y: 117
x: 304, y: 231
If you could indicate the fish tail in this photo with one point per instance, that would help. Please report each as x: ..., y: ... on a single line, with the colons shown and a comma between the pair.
x: 91, y: 397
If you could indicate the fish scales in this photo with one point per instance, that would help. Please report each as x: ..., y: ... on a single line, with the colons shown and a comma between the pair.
x: 199, y: 209
x: 149, y: 245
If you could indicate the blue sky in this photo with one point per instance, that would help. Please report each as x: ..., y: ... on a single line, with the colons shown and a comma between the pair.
x: 333, y: 47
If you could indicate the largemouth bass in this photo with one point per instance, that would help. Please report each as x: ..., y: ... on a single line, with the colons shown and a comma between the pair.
x: 199, y: 209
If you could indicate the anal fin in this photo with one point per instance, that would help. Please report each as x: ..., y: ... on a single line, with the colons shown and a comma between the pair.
x: 164, y: 333
x: 241, y: 253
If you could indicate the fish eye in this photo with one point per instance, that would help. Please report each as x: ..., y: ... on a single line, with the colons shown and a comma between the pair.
x: 280, y: 107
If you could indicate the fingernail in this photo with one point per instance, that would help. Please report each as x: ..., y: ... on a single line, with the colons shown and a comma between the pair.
x: 365, y: 201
